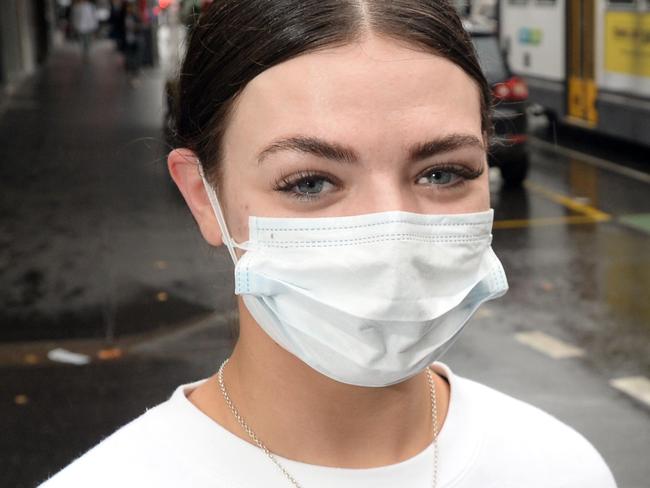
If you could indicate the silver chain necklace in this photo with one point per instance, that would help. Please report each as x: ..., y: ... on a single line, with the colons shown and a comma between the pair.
x: 269, y: 454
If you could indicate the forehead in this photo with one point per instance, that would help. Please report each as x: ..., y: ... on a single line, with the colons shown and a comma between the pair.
x: 375, y: 91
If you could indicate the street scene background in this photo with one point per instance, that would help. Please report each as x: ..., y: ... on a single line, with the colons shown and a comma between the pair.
x: 111, y: 298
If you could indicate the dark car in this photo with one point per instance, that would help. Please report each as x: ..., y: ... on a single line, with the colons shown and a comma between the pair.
x: 509, y: 152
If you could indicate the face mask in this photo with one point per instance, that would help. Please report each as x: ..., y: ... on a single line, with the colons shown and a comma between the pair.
x: 367, y: 300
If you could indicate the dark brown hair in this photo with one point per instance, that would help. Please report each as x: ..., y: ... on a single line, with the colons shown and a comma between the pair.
x: 235, y: 40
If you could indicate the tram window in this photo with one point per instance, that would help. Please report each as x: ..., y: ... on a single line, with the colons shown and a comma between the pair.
x: 622, y: 3
x: 546, y: 2
x: 517, y: 2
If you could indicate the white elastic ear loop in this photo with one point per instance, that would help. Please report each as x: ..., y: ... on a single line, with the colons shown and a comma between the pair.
x: 214, y: 201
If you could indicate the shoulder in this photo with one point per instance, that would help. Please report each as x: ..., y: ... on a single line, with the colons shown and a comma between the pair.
x: 173, y: 444
x: 136, y: 448
x: 529, y: 446
x: 159, y: 448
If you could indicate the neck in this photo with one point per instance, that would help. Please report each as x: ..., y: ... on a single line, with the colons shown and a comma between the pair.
x: 302, y: 415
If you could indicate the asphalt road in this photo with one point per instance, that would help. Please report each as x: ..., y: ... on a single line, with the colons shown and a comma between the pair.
x: 99, y: 256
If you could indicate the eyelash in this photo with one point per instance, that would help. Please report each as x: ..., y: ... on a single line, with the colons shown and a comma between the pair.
x: 286, y: 183
x: 457, y: 169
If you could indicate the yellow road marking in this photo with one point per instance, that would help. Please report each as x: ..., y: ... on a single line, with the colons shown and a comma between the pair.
x: 569, y: 202
x: 589, y: 214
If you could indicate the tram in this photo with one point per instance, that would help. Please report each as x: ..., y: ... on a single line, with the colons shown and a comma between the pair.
x: 586, y: 61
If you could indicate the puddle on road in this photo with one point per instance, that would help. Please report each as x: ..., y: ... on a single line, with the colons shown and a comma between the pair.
x: 144, y: 312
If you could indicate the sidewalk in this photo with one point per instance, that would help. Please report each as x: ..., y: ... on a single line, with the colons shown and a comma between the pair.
x: 95, y: 241
x: 98, y: 256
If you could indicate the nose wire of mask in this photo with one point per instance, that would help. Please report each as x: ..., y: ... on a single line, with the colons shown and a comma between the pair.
x: 212, y: 196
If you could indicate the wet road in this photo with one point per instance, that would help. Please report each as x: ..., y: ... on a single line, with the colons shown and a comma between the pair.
x: 95, y: 239
x: 99, y: 255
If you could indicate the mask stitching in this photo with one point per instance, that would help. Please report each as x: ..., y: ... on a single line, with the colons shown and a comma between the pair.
x: 350, y: 227
x: 388, y: 237
x: 370, y: 240
x: 239, y: 280
x: 248, y: 284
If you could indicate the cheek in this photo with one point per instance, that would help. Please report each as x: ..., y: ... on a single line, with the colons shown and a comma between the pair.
x: 235, y: 203
x: 242, y: 213
x: 483, y: 190
x: 481, y: 187
x: 237, y: 216
x: 477, y: 198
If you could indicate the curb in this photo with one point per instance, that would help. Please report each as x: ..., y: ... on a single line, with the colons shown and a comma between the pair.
x: 89, y: 351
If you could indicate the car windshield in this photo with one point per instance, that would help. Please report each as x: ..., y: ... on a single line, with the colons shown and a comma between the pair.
x: 490, y: 57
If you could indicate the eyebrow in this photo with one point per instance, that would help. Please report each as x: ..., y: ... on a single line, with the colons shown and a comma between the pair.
x: 444, y: 144
x: 311, y: 145
x: 337, y: 152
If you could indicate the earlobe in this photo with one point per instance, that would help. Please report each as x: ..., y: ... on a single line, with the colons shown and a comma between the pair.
x: 184, y: 169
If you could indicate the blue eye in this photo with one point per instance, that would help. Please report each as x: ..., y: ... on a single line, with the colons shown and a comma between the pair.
x: 305, y: 185
x: 310, y: 186
x: 448, y: 175
x: 438, y: 178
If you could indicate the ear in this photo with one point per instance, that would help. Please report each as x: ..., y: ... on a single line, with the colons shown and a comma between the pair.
x: 183, y: 167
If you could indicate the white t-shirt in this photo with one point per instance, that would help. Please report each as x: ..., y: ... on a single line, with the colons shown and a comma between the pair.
x: 488, y: 440
x: 84, y: 17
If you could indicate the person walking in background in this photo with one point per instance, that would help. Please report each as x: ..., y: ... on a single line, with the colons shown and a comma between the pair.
x: 132, y: 41
x: 116, y: 21
x: 84, y: 22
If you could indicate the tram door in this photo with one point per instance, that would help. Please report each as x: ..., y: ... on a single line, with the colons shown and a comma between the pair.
x: 581, y: 89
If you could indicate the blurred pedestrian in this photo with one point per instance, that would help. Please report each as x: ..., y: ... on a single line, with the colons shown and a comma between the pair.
x: 338, y: 149
x: 190, y: 10
x: 116, y: 21
x: 84, y: 22
x: 133, y: 41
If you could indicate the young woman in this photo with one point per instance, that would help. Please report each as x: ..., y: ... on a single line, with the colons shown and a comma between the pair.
x: 338, y: 149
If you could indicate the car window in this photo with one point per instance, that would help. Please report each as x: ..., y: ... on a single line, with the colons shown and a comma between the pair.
x: 491, y: 58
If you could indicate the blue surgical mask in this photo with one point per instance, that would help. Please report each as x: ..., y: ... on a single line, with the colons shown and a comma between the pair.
x: 367, y: 300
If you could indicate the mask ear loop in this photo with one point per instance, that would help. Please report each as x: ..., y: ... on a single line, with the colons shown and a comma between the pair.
x: 214, y: 201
